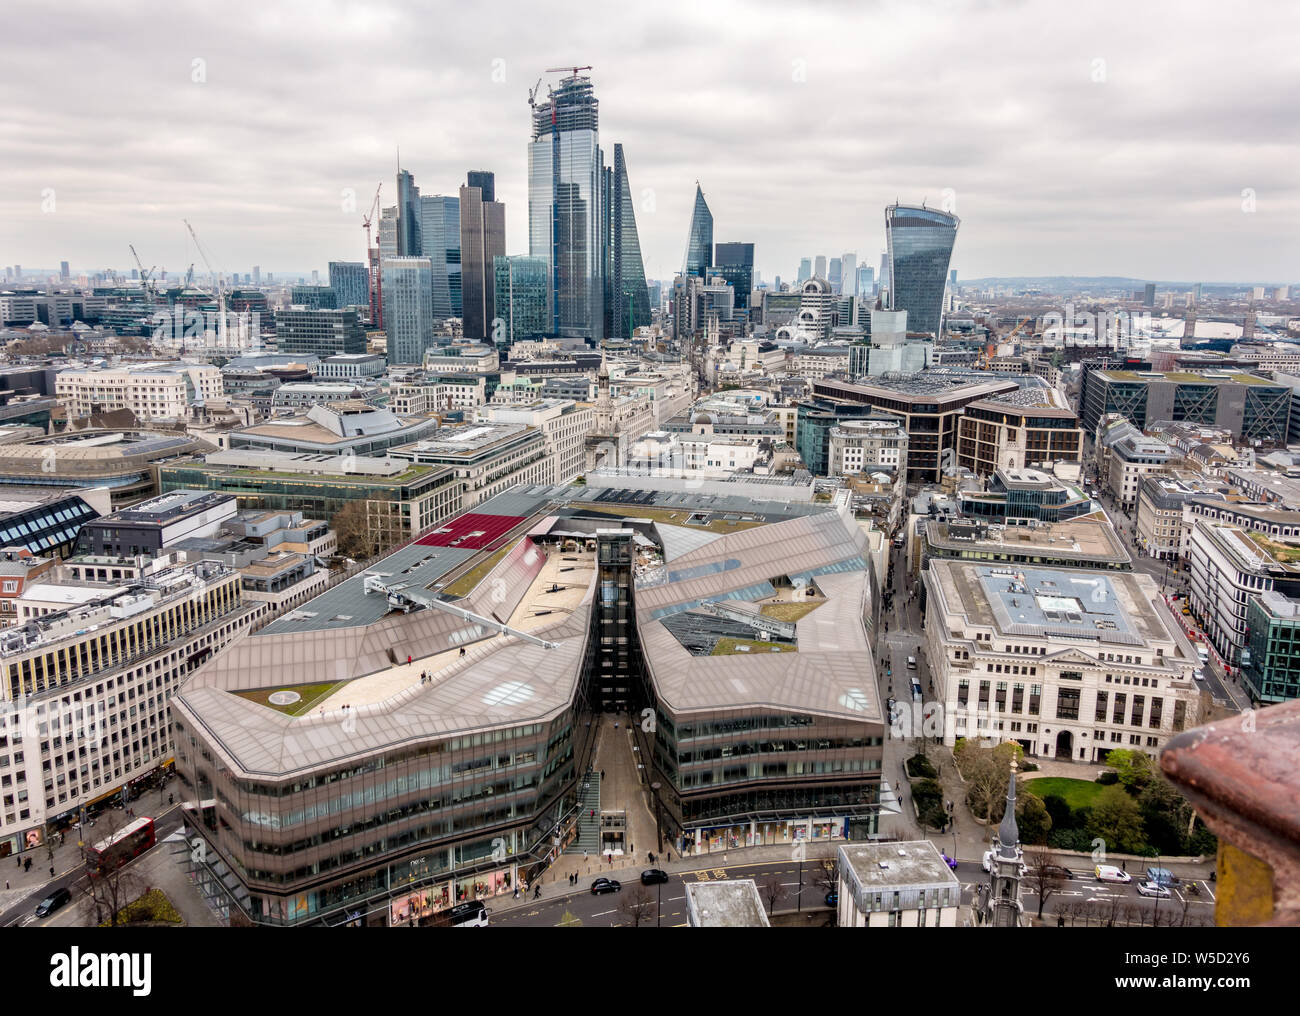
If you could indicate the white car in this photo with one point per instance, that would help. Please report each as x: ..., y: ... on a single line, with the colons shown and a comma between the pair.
x: 1149, y: 888
x: 988, y: 864
x: 1109, y: 873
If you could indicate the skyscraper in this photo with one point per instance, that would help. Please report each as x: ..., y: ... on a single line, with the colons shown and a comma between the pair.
x: 408, y: 215
x: 866, y: 281
x: 566, y: 206
x: 350, y: 281
x: 408, y: 308
x: 920, y: 242
x: 849, y: 275
x: 482, y: 239
x: 440, y: 243
x: 699, y: 245
x: 1149, y: 295
x: 522, y: 294
x: 627, y: 302
x: 64, y: 273
x: 833, y: 274
x: 735, y: 263
x: 819, y: 267
x: 387, y: 241
x: 805, y: 270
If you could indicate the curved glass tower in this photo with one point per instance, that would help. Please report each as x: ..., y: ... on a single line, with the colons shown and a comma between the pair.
x: 920, y: 246
x: 699, y: 248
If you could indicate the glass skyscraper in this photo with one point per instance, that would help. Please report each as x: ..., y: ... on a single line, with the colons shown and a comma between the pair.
x: 350, y: 281
x: 920, y: 242
x: 567, y: 207
x: 628, y: 300
x: 735, y: 263
x: 699, y: 246
x: 440, y: 243
x: 408, y: 215
x: 408, y: 308
x: 522, y: 296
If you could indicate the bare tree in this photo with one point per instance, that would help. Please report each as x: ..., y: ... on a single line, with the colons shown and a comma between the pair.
x: 109, y: 885
x: 771, y: 890
x: 637, y: 905
x: 1043, y: 876
x: 826, y: 874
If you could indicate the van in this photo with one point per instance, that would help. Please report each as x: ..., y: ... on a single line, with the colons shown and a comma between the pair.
x: 1162, y: 877
x: 911, y: 663
x: 1109, y: 873
x: 1203, y: 653
x: 916, y: 691
x: 53, y: 902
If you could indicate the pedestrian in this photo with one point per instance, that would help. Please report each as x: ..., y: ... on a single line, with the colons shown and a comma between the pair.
x: 6, y: 884
x: 584, y: 855
x: 51, y: 871
x: 602, y: 774
x: 670, y: 857
x: 516, y: 892
x: 537, y: 891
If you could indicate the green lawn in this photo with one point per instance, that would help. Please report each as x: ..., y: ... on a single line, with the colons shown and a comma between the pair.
x: 464, y: 585
x: 311, y: 693
x: 788, y: 611
x: 1077, y: 793
x: 727, y: 647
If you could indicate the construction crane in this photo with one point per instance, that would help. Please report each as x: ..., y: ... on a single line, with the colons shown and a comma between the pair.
x: 373, y: 264
x: 146, y: 275
x: 189, y: 276
x: 561, y: 70
x: 220, y: 285
x: 988, y: 351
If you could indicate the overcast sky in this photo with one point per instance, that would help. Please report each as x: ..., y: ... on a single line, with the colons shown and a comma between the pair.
x: 1097, y: 139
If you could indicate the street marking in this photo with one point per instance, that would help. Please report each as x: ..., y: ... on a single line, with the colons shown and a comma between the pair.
x: 605, y: 913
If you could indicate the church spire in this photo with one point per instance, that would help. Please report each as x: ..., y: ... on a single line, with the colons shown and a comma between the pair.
x: 1008, y: 832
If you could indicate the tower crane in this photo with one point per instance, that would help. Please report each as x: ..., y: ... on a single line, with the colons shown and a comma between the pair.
x: 220, y: 285
x: 373, y: 263
x: 561, y: 70
x: 146, y: 275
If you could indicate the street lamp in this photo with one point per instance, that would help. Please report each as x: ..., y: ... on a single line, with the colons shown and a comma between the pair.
x: 659, y: 836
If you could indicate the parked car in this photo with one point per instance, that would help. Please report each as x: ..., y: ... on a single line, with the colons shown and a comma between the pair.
x: 53, y: 902
x: 1057, y: 871
x: 1109, y: 873
x: 1148, y: 888
x: 606, y: 885
x: 654, y: 876
x: 988, y: 864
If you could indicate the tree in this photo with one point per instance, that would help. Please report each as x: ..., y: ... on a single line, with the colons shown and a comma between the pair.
x: 637, y: 905
x: 987, y: 772
x: 1166, y: 816
x: 109, y: 887
x: 1058, y: 808
x: 1044, y: 876
x: 771, y: 890
x: 1116, y: 820
x: 1133, y: 768
x: 352, y: 527
x: 1032, y: 818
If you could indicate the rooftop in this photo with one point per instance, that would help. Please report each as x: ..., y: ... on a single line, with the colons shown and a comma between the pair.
x: 909, y: 863
x: 732, y: 903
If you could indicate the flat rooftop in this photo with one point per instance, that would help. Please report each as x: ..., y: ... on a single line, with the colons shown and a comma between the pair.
x: 1086, y: 539
x: 734, y: 903
x: 882, y: 866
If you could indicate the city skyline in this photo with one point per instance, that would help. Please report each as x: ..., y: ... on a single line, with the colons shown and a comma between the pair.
x: 208, y: 133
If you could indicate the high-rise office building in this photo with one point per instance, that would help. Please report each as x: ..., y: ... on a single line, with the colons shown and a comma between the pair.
x: 866, y: 281
x: 920, y: 242
x: 350, y: 281
x: 64, y: 273
x: 257, y: 275
x: 699, y: 244
x: 313, y: 297
x: 819, y: 267
x: 319, y: 333
x: 952, y: 278
x: 849, y: 275
x: 833, y: 275
x: 1149, y: 295
x: 805, y: 270
x: 440, y: 243
x: 482, y: 240
x: 735, y: 263
x: 885, y: 282
x: 387, y: 242
x: 408, y: 308
x: 408, y: 216
x: 566, y: 206
x: 627, y: 302
x: 522, y: 296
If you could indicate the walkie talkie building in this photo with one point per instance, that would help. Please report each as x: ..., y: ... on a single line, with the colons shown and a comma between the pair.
x: 920, y: 246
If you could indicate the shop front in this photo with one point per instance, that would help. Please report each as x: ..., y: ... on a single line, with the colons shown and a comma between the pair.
x: 713, y: 839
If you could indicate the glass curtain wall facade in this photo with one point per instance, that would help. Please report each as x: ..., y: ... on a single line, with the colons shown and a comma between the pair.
x: 482, y: 240
x: 920, y: 247
x: 628, y: 304
x: 699, y: 245
x: 735, y: 263
x: 409, y: 244
x: 350, y: 281
x: 567, y: 207
x: 440, y: 232
x: 522, y: 287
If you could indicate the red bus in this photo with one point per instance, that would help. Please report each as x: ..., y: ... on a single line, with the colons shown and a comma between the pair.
x: 127, y: 843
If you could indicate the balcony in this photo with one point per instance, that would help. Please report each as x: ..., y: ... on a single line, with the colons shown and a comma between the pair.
x: 1240, y: 775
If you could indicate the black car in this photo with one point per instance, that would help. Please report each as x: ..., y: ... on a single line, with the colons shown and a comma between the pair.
x: 606, y: 885
x: 654, y: 876
x: 53, y: 902
x: 1056, y: 871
